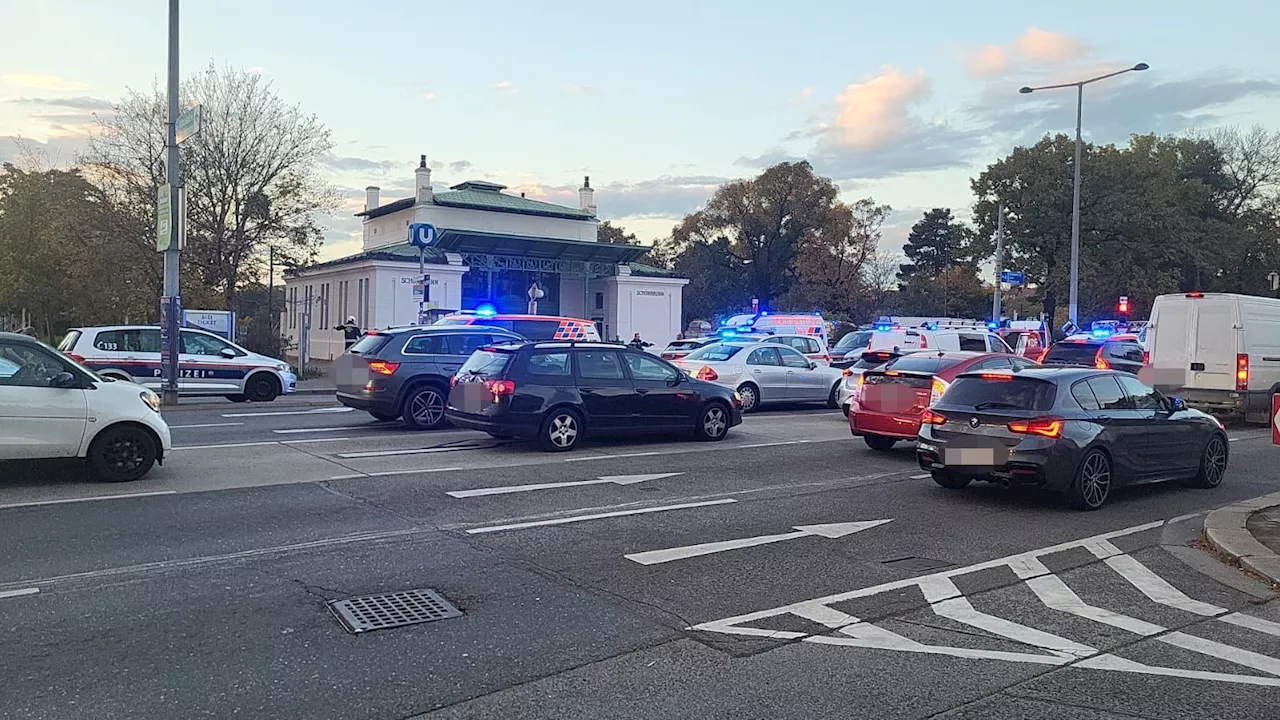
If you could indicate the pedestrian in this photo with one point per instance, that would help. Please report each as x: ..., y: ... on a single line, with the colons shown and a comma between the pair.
x: 638, y: 344
x: 350, y: 332
x: 679, y: 336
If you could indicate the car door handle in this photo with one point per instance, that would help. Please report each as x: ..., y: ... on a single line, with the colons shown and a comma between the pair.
x: 642, y: 391
x: 1103, y: 418
x: 756, y: 371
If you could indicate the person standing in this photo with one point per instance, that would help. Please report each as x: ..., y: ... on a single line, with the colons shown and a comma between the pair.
x: 350, y: 332
x: 638, y: 344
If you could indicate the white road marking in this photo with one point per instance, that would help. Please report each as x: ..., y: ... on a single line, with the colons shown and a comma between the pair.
x: 768, y: 444
x: 18, y: 593
x: 614, y: 457
x: 611, y: 479
x: 1155, y: 587
x: 1188, y: 516
x: 921, y: 477
x: 88, y: 499
x: 260, y: 443
x: 1248, y: 437
x: 409, y: 451
x: 830, y: 531
x: 299, y: 431
x: 393, y: 472
x: 204, y: 425
x: 278, y: 413
x: 598, y: 516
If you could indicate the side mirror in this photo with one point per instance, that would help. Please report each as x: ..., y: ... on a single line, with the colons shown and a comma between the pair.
x: 1177, y: 404
x: 813, y: 365
x: 63, y: 380
x: 227, y: 353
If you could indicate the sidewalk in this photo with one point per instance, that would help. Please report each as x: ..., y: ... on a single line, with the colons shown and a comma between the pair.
x: 316, y: 386
x: 1248, y: 533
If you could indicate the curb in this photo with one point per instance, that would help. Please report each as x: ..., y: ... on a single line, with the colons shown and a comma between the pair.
x: 1226, y: 532
x: 314, y: 391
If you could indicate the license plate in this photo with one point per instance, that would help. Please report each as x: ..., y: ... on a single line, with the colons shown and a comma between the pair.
x: 969, y: 456
x: 474, y: 396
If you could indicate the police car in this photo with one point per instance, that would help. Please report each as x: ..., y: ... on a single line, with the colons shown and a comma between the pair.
x: 207, y: 364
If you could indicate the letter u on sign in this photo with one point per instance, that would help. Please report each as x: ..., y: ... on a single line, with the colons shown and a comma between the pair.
x: 423, y: 235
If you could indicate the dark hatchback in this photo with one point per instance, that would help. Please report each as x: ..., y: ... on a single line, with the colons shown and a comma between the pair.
x: 1080, y: 432
x: 557, y: 393
x: 1101, y: 353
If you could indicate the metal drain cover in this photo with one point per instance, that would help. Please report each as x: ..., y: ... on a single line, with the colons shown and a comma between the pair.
x: 376, y: 612
x: 917, y: 564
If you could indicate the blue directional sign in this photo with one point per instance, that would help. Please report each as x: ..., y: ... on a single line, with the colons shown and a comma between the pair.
x: 1013, y: 277
x: 423, y: 235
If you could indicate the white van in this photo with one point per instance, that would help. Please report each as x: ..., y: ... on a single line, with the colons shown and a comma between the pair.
x: 1217, y: 351
x: 976, y: 339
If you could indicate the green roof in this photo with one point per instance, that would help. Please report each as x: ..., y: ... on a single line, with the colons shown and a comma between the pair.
x: 643, y: 270
x: 479, y: 195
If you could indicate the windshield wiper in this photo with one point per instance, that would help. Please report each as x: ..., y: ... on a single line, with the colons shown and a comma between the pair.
x: 994, y: 404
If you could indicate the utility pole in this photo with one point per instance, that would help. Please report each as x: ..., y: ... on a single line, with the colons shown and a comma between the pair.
x: 168, y: 233
x: 995, y: 300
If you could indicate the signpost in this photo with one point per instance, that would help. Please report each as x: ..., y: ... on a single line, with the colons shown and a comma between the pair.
x: 164, y: 218
x: 1016, y: 278
x: 423, y: 236
x: 188, y: 124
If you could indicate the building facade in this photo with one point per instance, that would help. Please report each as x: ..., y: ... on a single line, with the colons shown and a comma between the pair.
x: 492, y: 247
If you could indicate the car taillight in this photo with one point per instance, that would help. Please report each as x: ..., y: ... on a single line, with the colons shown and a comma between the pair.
x: 924, y: 342
x: 1099, y: 363
x: 1050, y: 427
x: 706, y: 373
x: 1242, y: 372
x: 932, y: 418
x: 668, y: 356
x: 826, y: 359
x: 453, y: 381
x: 77, y: 358
x: 847, y: 372
x: 1040, y: 357
x: 500, y: 388
x: 1146, y: 358
x: 383, y: 367
x: 936, y: 389
x: 857, y: 388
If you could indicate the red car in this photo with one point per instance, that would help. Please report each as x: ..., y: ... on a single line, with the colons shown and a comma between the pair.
x: 889, y: 401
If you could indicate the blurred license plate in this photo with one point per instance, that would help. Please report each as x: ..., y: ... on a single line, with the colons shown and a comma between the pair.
x: 969, y: 456
x: 474, y: 396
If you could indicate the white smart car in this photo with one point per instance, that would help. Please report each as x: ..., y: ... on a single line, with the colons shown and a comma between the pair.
x: 53, y: 407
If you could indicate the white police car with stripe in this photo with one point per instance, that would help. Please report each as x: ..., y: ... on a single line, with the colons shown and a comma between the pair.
x: 207, y: 364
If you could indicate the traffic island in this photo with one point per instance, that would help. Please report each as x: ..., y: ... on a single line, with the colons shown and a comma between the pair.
x: 1248, y: 534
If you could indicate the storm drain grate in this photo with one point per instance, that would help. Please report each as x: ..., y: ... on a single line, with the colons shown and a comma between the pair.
x: 917, y: 564
x: 376, y: 612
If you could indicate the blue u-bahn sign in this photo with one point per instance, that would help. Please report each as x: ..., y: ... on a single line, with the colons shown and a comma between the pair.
x: 423, y: 235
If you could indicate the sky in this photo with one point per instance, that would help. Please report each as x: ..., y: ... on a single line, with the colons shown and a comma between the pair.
x: 658, y: 102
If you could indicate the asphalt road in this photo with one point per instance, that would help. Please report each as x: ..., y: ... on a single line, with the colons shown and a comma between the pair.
x: 787, y: 572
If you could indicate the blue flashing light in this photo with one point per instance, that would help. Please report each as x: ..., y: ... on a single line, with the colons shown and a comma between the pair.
x: 993, y: 325
x: 884, y: 328
x: 931, y: 326
x: 764, y: 313
x: 486, y: 310
x: 1101, y: 332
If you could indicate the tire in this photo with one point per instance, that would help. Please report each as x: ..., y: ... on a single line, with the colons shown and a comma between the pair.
x: 948, y: 481
x: 122, y: 453
x: 423, y: 408
x: 832, y: 402
x: 844, y: 410
x: 1092, y: 484
x: 261, y: 387
x: 713, y: 422
x: 561, y: 430
x: 879, y: 442
x: 384, y: 416
x: 750, y: 398
x: 1213, y: 463
x: 237, y: 398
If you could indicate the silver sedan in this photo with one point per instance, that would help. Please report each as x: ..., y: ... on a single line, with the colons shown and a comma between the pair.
x: 763, y: 372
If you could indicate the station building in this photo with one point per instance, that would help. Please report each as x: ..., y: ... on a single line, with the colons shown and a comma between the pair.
x: 492, y: 247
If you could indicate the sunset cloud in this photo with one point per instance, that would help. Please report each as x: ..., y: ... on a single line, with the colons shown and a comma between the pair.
x: 1033, y: 47
x: 43, y: 82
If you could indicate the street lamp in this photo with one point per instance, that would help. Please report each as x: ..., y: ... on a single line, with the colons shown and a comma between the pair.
x: 1075, y: 199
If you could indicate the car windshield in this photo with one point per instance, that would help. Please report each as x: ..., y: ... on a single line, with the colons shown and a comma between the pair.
x: 1071, y: 353
x: 369, y: 344
x: 1000, y: 391
x: 486, y: 363
x: 921, y: 363
x: 715, y: 352
x: 858, y: 339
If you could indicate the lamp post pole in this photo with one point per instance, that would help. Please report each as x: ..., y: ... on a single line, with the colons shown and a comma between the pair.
x: 1074, y: 302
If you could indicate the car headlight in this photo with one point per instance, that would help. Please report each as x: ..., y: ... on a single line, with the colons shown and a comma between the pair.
x: 151, y: 399
x: 283, y: 367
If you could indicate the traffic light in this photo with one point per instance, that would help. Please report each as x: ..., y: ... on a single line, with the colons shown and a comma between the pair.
x: 1122, y: 307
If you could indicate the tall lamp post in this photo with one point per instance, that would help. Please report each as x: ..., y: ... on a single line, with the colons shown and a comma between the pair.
x: 1073, y: 315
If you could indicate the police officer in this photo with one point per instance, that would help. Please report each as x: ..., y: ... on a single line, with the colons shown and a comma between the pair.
x: 350, y: 332
x: 639, y: 344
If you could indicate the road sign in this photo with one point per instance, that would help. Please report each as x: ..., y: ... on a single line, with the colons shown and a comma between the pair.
x: 164, y: 218
x: 423, y: 235
x: 1275, y: 419
x: 188, y: 124
x: 218, y: 322
x: 830, y: 530
x: 1013, y: 277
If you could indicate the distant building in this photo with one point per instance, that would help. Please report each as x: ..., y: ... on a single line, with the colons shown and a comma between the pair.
x: 492, y: 247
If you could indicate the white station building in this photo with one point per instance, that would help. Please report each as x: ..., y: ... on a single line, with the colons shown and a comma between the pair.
x: 491, y: 247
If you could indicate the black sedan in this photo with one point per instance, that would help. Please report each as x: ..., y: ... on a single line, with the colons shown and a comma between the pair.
x: 1080, y: 432
x: 559, y: 392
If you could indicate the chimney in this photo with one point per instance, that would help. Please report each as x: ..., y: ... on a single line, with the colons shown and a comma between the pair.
x: 422, y: 181
x: 586, y: 196
x: 371, y: 197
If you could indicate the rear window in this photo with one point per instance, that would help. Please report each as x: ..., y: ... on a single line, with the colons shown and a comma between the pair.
x: 684, y: 345
x: 1007, y: 392
x: 486, y: 363
x: 69, y: 341
x: 1071, y: 353
x: 453, y: 321
x: 369, y: 344
x: 921, y: 363
x: 854, y: 340
x: 915, y: 381
x: 715, y: 352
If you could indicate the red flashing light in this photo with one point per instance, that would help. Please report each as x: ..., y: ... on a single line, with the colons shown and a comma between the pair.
x: 1195, y: 294
x: 1050, y: 427
x: 383, y: 367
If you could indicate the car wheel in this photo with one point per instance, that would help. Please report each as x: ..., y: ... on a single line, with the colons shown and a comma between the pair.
x: 122, y: 453
x: 949, y: 481
x: 844, y: 410
x: 713, y: 422
x: 383, y: 416
x: 879, y: 442
x: 423, y: 408
x: 237, y: 398
x: 561, y: 430
x: 1092, y: 484
x: 262, y: 388
x: 1213, y: 463
x: 750, y: 395
x: 832, y: 402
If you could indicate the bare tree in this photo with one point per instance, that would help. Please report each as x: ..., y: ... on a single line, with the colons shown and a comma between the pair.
x: 1251, y: 159
x: 252, y: 174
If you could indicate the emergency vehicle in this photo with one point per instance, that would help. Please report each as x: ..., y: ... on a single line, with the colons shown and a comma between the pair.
x: 530, y: 327
x: 767, y: 323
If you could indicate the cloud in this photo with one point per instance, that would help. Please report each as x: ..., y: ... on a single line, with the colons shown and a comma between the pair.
x: 1033, y: 47
x: 507, y: 86
x: 43, y: 82
x: 429, y: 96
x: 359, y: 164
x: 873, y: 112
x: 580, y: 89
x: 460, y: 165
x: 801, y: 96
x: 72, y: 103
x: 60, y: 150
x: 666, y: 197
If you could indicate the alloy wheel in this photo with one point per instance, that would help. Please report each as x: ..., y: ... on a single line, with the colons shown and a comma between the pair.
x: 427, y: 408
x: 563, y: 431
x: 1095, y: 480
x: 714, y: 422
x: 1215, y: 462
x: 125, y: 453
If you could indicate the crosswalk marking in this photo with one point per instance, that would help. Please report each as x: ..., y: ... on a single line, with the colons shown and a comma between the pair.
x: 945, y: 599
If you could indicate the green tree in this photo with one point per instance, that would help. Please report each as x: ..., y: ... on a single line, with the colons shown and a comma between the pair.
x: 612, y: 234
x: 940, y: 275
x: 830, y: 263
